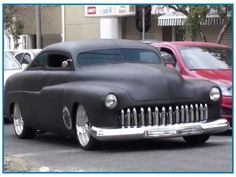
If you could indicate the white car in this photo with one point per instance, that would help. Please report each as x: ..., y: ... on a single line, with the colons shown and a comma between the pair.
x: 11, y: 65
x: 24, y: 57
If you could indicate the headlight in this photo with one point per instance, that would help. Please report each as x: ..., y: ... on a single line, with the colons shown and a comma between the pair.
x: 214, y: 94
x: 226, y: 90
x: 111, y: 101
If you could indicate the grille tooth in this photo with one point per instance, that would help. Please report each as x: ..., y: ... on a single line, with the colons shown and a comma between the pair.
x: 157, y: 116
x: 206, y: 112
x: 201, y: 112
x: 122, y: 118
x: 149, y: 116
x: 170, y: 113
x: 177, y: 114
x: 186, y: 113
x: 182, y: 114
x: 163, y: 116
x: 128, y: 118
x: 191, y: 113
x: 142, y: 123
x: 135, y: 120
x: 196, y: 112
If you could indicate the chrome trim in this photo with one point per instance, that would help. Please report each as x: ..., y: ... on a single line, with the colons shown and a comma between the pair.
x: 201, y: 112
x: 149, y: 116
x: 177, y: 114
x: 175, y: 130
x: 156, y: 116
x: 142, y: 117
x: 191, y: 113
x: 163, y: 116
x: 187, y: 114
x: 128, y: 118
x: 170, y: 114
x: 135, y: 117
x: 182, y: 114
x: 122, y: 118
x: 206, y: 112
x: 196, y: 112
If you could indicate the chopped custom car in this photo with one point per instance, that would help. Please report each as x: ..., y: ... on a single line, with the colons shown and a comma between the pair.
x: 202, y: 60
x: 99, y: 90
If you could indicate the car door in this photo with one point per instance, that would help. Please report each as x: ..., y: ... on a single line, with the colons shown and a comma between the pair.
x: 59, y: 71
x: 34, y: 80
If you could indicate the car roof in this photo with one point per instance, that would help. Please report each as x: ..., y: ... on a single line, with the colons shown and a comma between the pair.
x: 190, y: 44
x: 75, y: 47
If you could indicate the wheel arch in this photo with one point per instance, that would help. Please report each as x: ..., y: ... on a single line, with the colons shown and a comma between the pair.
x: 10, y: 111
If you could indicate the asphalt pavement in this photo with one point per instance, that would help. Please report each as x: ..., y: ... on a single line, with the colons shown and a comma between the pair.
x: 50, y: 152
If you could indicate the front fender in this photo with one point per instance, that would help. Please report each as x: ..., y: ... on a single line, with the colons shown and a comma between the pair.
x: 92, y: 96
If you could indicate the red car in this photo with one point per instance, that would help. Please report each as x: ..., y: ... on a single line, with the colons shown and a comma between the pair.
x: 202, y: 60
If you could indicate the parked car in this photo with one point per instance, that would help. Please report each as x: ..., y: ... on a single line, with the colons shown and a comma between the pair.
x: 201, y: 60
x: 24, y: 57
x: 11, y: 65
x: 100, y: 90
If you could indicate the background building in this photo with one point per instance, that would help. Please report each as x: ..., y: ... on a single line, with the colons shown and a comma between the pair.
x: 50, y: 27
x: 66, y: 23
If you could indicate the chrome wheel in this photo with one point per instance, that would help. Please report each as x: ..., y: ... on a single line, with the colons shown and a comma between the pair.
x: 18, y: 120
x: 82, y: 126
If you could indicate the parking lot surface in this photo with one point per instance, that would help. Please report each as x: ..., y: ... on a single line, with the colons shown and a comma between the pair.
x: 49, y: 152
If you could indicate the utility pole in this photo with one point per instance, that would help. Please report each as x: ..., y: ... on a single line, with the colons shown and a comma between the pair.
x: 143, y: 23
x: 38, y: 27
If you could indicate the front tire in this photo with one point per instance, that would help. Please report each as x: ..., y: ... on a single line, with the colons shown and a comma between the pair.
x: 196, y: 139
x: 83, y: 130
x: 20, y: 129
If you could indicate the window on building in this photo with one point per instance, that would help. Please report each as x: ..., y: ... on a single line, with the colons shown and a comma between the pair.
x: 179, y: 33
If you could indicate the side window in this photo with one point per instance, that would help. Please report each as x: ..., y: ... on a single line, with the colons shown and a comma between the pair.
x: 147, y: 57
x: 26, y: 59
x: 169, y: 58
x: 19, y: 56
x: 58, y: 62
x: 38, y: 63
x: 99, y: 57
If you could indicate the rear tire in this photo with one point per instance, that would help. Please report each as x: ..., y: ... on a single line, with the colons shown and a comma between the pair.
x: 196, y: 139
x: 20, y: 129
x: 83, y: 130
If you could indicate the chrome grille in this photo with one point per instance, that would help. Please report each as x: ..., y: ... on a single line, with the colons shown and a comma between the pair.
x: 162, y: 116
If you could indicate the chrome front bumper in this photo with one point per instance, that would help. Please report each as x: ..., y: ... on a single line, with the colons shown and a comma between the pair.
x: 175, y: 130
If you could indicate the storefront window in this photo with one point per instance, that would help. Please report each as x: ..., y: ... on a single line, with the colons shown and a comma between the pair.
x: 179, y: 33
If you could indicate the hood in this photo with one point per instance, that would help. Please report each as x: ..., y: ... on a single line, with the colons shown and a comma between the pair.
x: 223, y: 76
x: 142, y: 82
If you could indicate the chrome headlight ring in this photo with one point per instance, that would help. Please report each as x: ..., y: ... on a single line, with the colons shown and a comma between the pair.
x: 214, y: 94
x: 111, y: 101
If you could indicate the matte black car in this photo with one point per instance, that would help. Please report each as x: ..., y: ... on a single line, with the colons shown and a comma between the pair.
x: 100, y: 90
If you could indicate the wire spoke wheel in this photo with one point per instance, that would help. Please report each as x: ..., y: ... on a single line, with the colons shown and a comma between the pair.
x: 20, y: 129
x: 18, y: 120
x: 82, y: 126
x: 83, y: 129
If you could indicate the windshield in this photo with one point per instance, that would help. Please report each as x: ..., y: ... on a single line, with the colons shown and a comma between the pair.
x: 206, y: 58
x: 10, y: 63
x: 109, y: 56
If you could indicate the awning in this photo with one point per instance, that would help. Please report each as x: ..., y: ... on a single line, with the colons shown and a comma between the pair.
x: 178, y: 19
